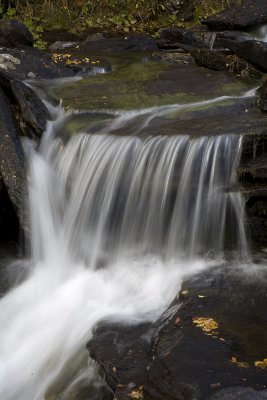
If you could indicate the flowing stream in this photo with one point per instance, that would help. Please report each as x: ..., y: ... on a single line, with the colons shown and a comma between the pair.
x: 116, y: 223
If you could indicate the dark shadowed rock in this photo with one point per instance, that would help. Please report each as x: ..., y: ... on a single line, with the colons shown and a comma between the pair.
x: 250, y: 13
x: 176, y: 36
x: 123, y: 353
x: 263, y: 97
x: 12, y: 164
x: 129, y: 42
x: 29, y: 63
x: 253, y: 51
x: 224, y: 61
x: 9, y: 226
x: 33, y: 110
x: 176, y: 359
x: 240, y: 393
x: 14, y: 33
x: 252, y: 175
x: 237, y: 36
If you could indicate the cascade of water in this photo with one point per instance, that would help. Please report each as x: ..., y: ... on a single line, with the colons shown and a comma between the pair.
x: 116, y: 223
x: 171, y: 196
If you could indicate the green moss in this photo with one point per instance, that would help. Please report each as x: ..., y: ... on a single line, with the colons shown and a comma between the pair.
x: 234, y: 88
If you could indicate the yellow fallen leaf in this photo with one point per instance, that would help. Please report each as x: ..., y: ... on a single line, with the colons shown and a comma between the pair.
x: 240, y: 364
x: 137, y: 394
x: 208, y: 325
x: 261, y: 364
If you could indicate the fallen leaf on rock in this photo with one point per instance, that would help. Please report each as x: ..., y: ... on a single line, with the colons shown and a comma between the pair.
x: 239, y: 364
x: 208, y: 325
x: 201, y: 296
x: 137, y: 394
x: 261, y: 364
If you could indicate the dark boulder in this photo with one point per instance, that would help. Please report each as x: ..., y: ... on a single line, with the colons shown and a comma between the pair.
x: 253, y: 51
x: 12, y: 163
x: 32, y: 109
x: 252, y: 175
x: 129, y: 42
x: 236, y: 36
x: 224, y: 61
x: 249, y: 14
x: 14, y: 33
x: 178, y: 357
x: 175, y: 37
x: 29, y: 63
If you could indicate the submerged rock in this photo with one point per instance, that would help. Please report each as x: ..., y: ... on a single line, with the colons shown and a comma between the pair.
x: 249, y: 14
x: 14, y: 33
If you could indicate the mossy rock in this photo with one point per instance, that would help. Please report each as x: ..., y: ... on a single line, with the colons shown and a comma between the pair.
x: 140, y: 85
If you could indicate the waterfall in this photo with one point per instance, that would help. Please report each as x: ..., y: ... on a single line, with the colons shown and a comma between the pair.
x: 117, y: 222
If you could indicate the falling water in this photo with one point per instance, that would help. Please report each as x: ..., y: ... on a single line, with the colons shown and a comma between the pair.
x: 117, y: 222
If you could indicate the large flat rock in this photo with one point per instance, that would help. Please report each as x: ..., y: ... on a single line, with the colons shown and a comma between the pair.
x: 165, y: 98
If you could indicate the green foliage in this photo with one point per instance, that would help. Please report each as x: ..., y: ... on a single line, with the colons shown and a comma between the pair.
x: 113, y: 15
x: 34, y: 24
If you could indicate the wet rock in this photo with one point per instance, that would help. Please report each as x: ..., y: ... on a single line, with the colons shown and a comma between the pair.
x: 60, y: 45
x: 240, y: 393
x: 236, y: 36
x: 174, y: 37
x: 12, y: 163
x: 14, y: 33
x: 130, y: 42
x: 122, y: 351
x: 252, y: 175
x: 263, y: 97
x: 173, y: 57
x: 249, y: 14
x: 224, y: 61
x: 33, y: 110
x: 29, y: 63
x: 177, y: 359
x: 253, y: 51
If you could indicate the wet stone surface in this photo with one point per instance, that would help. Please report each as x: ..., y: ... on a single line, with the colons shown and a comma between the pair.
x: 207, y: 345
